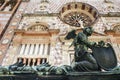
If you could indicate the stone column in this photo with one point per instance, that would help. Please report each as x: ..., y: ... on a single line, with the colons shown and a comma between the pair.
x: 38, y: 61
x: 34, y: 60
x: 29, y: 60
x: 31, y: 52
x: 41, y: 49
x: 45, y: 49
x: 52, y: 49
x: 22, y: 49
x: 24, y: 61
x: 36, y: 49
x: 27, y: 49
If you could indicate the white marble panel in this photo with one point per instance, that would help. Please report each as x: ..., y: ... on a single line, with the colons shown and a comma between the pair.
x: 22, y: 49
x: 36, y: 49
x: 41, y: 49
x: 31, y: 49
x: 46, y: 49
x: 27, y: 49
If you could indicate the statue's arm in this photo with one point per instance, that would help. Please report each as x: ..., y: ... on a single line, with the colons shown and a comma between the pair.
x: 85, y: 41
x: 88, y: 43
x: 74, y: 42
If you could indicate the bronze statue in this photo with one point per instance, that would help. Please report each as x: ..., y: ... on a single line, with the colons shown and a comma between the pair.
x: 101, y: 57
x: 84, y: 60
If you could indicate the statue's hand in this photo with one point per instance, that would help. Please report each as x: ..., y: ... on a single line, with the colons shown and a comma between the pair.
x: 93, y: 44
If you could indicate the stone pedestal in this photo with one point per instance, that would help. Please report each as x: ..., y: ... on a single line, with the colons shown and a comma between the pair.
x: 70, y: 76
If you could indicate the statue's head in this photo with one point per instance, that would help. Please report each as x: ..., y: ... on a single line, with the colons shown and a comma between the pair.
x: 88, y: 31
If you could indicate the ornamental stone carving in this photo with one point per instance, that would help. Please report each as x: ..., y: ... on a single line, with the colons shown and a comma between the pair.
x: 38, y: 27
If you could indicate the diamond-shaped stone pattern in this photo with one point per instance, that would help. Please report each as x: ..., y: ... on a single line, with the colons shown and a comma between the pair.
x: 10, y: 32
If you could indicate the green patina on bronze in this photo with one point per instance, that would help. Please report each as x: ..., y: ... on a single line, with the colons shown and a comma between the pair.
x: 84, y: 61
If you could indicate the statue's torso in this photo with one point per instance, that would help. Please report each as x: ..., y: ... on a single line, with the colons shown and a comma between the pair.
x: 79, y: 42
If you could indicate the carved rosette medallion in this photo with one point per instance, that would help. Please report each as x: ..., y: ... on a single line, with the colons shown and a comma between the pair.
x: 72, y: 13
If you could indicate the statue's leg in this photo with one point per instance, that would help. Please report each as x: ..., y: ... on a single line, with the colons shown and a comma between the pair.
x: 90, y: 58
x: 84, y: 66
x: 80, y: 66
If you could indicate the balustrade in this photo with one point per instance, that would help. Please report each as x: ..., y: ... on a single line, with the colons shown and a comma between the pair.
x: 32, y: 61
